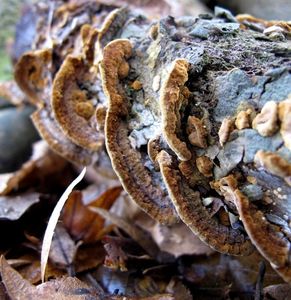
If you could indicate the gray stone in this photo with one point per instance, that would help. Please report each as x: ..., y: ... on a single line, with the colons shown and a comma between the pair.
x: 17, y: 134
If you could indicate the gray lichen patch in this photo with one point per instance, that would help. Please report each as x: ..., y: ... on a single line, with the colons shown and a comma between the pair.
x: 234, y: 87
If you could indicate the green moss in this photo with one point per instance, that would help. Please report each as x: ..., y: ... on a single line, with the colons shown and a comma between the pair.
x: 9, y: 14
x: 5, y: 66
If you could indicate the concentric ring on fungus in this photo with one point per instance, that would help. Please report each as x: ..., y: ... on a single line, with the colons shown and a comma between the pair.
x: 267, y: 237
x: 193, y: 213
x: 56, y: 139
x: 74, y: 112
x: 126, y: 161
x: 171, y: 100
x: 181, y: 187
x: 268, y: 222
x: 30, y: 74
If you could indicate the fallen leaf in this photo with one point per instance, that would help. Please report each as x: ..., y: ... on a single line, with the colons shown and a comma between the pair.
x: 244, y: 271
x: 177, y: 239
x: 31, y: 271
x: 80, y: 221
x: 42, y: 164
x: 89, y: 257
x: 16, y: 286
x: 9, y: 181
x: 136, y: 233
x: 63, y: 249
x: 132, y: 286
x: 3, y: 294
x: 277, y: 292
x: 47, y: 240
x: 116, y: 258
x: 13, y: 207
x: 63, y: 288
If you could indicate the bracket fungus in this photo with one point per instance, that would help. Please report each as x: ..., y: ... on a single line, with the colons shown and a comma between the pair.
x: 274, y: 164
x: 269, y: 233
x: 72, y: 106
x: 173, y: 98
x: 192, y: 212
x: 176, y: 100
x: 50, y: 132
x: 284, y: 113
x: 225, y: 130
x: 196, y: 132
x: 126, y: 161
x: 242, y: 120
x: 32, y: 74
x: 266, y: 121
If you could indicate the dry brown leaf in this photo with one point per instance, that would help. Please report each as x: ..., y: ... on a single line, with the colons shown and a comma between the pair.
x: 133, y: 286
x: 135, y: 232
x: 28, y: 266
x: 9, y: 181
x: 89, y: 257
x: 179, y: 290
x: 63, y: 288
x: 277, y: 292
x: 16, y: 286
x: 116, y: 258
x: 63, y: 249
x: 81, y: 222
x: 43, y: 163
x: 177, y: 239
x: 31, y: 272
x: 3, y: 294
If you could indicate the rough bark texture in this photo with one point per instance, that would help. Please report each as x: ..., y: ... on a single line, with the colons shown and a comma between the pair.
x: 180, y: 98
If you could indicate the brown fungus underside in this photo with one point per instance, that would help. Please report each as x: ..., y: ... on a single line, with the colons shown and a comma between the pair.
x: 126, y: 161
x: 196, y: 111
x: 72, y: 106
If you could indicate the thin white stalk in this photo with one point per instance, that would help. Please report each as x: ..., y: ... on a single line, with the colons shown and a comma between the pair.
x: 49, y: 232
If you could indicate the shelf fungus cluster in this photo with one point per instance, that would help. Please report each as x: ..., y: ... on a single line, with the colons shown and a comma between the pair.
x: 194, y: 114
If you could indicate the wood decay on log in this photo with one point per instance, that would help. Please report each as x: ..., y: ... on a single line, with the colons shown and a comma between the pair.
x: 188, y: 109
